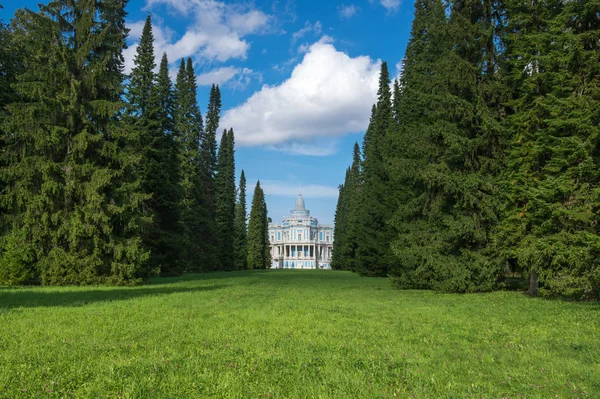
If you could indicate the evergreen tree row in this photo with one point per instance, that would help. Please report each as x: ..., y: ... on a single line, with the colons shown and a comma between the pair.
x: 484, y: 162
x: 107, y: 178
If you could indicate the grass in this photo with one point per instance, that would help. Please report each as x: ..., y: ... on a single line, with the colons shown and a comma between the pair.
x: 292, y: 334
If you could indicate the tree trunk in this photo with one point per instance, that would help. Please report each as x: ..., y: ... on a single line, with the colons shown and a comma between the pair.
x: 533, y: 283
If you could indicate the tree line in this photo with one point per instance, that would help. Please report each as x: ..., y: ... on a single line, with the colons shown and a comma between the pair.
x: 107, y: 178
x: 482, y: 160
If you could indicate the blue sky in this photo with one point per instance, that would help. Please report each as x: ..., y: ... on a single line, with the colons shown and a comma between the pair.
x: 297, y: 78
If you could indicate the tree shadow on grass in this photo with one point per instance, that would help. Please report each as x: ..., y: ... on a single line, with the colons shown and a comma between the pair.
x: 80, y: 296
x: 276, y: 274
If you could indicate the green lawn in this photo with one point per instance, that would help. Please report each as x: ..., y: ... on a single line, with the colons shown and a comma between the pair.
x: 293, y: 334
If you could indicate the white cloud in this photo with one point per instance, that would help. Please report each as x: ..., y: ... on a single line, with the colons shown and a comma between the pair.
x: 246, y: 23
x: 390, y: 5
x: 303, y: 48
x: 217, y: 76
x: 225, y: 47
x: 215, y: 30
x: 328, y: 94
x: 315, y: 28
x: 283, y: 188
x: 347, y: 11
x: 321, y: 149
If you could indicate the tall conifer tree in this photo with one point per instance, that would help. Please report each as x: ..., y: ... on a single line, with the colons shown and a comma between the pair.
x: 265, y: 229
x: 346, y: 223
x: 339, y: 221
x: 449, y: 153
x: 240, y: 243
x: 550, y: 221
x: 188, y: 132
x: 258, y: 244
x: 168, y: 192
x: 208, y: 153
x: 74, y: 198
x: 374, y: 256
x: 225, y: 201
x: 148, y: 113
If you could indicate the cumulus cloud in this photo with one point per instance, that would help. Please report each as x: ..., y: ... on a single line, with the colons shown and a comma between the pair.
x: 283, y: 188
x: 246, y: 23
x: 328, y: 94
x: 391, y: 5
x: 215, y: 30
x: 347, y: 11
x: 217, y: 76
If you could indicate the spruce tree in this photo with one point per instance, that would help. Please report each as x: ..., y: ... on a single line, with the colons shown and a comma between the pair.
x: 208, y: 164
x: 339, y: 222
x: 258, y: 244
x: 347, y: 227
x: 147, y: 115
x: 447, y: 151
x: 75, y: 201
x: 188, y: 131
x: 374, y: 256
x: 240, y: 238
x: 225, y: 201
x: 168, y: 193
x: 550, y: 221
x: 212, y: 120
x: 353, y: 199
x: 10, y: 67
x: 140, y: 90
x: 265, y: 229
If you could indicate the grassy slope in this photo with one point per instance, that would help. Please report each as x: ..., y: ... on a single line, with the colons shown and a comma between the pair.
x: 293, y: 334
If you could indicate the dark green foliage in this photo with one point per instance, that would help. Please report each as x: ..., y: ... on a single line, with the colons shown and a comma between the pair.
x: 208, y: 164
x: 164, y: 92
x: 10, y: 67
x: 550, y: 221
x: 346, y: 223
x: 240, y: 239
x: 212, y: 122
x: 258, y: 242
x: 140, y: 90
x: 225, y: 201
x: 167, y: 191
x: 340, y: 226
x: 72, y: 196
x: 448, y: 152
x: 188, y: 132
x: 265, y: 228
x: 374, y: 256
x: 487, y: 155
x: 396, y: 107
x: 209, y: 142
x: 149, y: 112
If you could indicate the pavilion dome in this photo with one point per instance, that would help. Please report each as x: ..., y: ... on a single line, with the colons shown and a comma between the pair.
x: 300, y: 204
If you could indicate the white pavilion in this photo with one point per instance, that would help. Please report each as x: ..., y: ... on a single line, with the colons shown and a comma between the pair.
x: 300, y: 242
